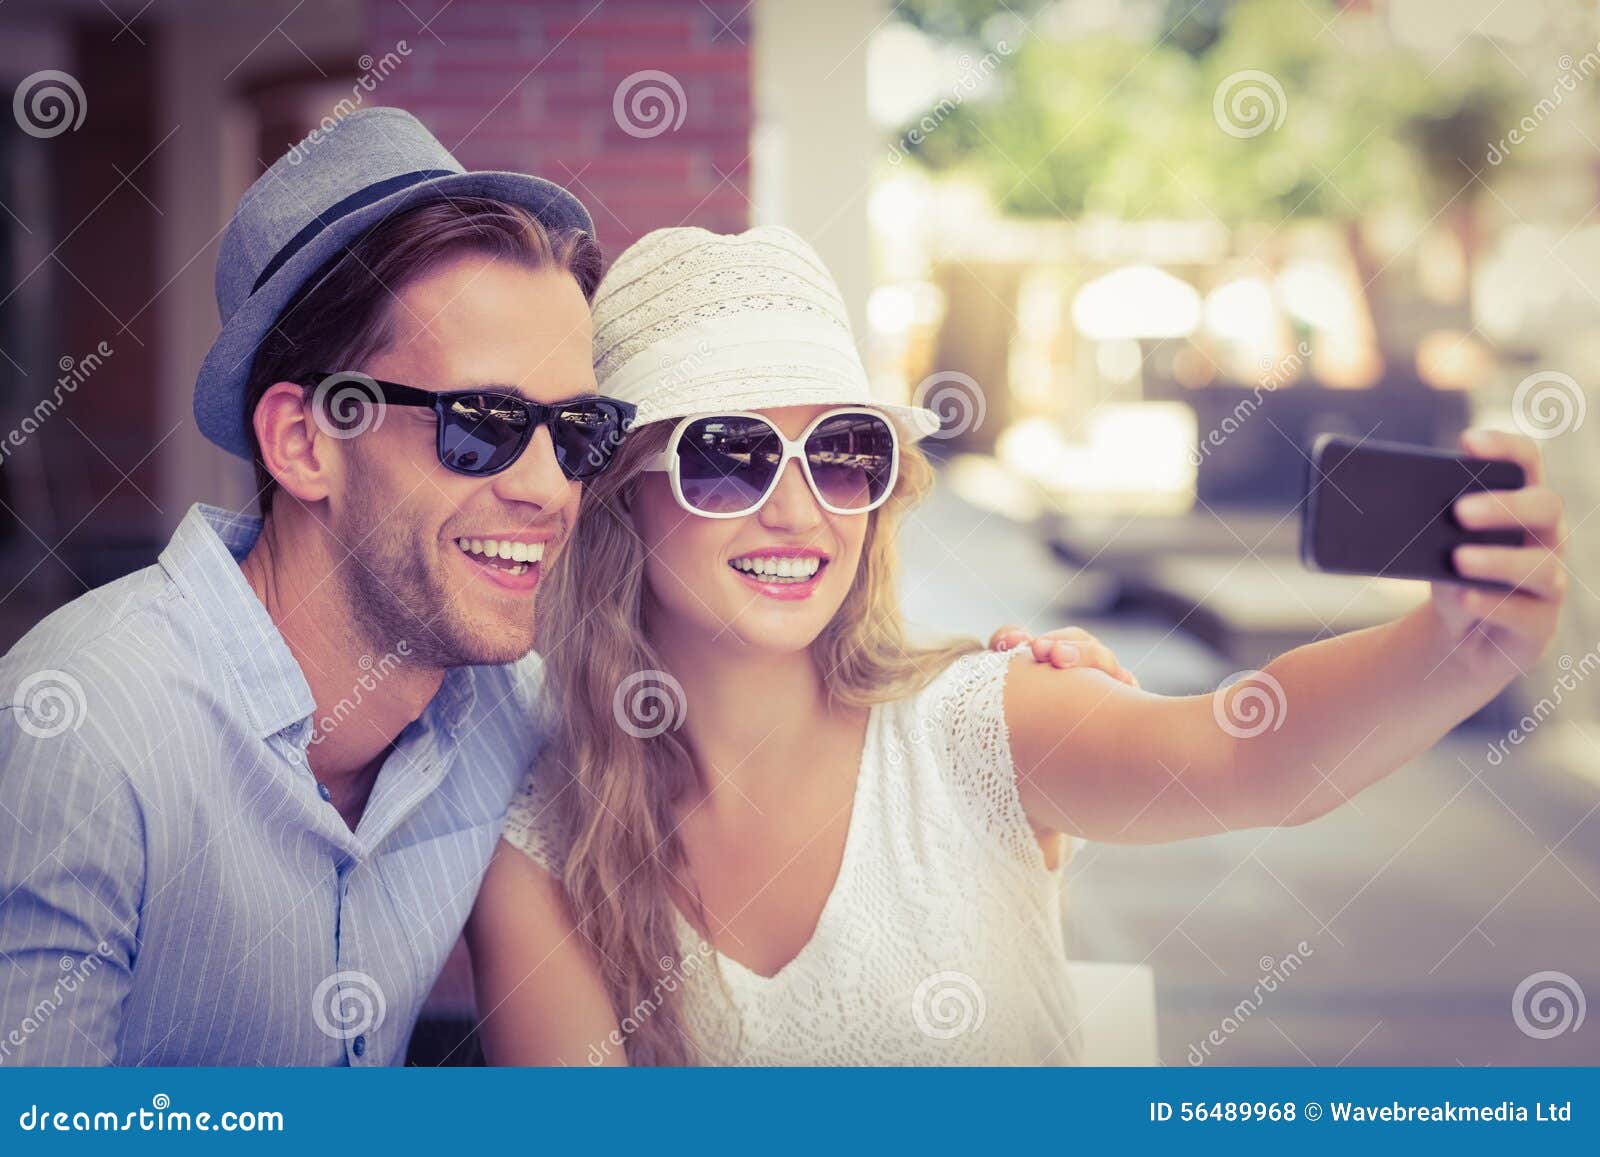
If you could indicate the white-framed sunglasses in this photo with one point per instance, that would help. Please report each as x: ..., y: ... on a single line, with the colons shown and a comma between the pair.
x: 727, y: 465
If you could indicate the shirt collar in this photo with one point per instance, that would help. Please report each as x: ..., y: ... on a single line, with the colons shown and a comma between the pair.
x: 202, y: 560
x: 453, y: 702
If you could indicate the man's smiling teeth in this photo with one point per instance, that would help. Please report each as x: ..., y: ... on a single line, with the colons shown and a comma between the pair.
x: 519, y: 554
x: 772, y: 569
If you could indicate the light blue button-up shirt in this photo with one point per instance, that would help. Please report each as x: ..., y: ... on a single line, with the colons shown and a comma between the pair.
x: 174, y: 889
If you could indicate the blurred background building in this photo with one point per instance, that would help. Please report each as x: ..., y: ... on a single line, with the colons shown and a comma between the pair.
x: 1139, y: 253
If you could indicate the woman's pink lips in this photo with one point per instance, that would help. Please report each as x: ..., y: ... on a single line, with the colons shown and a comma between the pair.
x: 784, y: 552
x: 790, y: 590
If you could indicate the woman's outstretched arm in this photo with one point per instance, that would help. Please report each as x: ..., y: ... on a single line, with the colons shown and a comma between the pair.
x: 1319, y: 723
x: 539, y: 993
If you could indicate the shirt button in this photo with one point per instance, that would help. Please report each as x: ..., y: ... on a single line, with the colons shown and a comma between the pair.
x: 322, y: 790
x: 359, y: 1045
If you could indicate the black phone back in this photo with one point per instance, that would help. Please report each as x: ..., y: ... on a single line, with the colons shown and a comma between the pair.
x: 1384, y: 508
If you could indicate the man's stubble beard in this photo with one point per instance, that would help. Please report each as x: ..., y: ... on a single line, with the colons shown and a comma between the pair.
x: 397, y: 590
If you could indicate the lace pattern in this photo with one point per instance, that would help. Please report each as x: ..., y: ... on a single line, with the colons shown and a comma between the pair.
x: 942, y: 940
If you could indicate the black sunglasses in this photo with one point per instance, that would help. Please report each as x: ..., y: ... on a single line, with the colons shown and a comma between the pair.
x: 482, y: 432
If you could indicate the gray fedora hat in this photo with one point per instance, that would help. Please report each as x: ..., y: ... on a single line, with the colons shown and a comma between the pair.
x: 313, y: 202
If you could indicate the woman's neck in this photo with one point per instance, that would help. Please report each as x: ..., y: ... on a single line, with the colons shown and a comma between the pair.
x: 746, y: 711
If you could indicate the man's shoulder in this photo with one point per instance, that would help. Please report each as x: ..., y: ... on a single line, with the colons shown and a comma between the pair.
x: 121, y: 656
x: 97, y: 619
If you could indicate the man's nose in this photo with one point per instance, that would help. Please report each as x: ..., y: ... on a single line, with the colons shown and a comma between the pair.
x: 535, y: 477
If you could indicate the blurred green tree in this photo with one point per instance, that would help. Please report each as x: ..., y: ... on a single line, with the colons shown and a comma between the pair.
x: 1249, y: 111
x: 1240, y: 112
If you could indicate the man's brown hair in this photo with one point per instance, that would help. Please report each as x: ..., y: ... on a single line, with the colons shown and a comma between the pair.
x: 340, y: 316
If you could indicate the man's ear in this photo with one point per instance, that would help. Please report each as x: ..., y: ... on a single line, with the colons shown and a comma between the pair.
x: 292, y: 446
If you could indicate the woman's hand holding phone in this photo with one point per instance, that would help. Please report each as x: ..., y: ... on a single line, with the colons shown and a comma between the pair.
x: 1506, y: 631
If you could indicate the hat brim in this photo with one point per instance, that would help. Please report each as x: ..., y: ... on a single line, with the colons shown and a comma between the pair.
x: 773, y: 392
x: 915, y: 422
x: 219, y: 386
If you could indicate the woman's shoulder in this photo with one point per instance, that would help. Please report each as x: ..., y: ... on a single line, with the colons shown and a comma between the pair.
x: 968, y: 689
x: 954, y: 737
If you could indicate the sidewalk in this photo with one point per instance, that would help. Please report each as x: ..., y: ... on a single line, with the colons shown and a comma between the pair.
x: 1423, y: 904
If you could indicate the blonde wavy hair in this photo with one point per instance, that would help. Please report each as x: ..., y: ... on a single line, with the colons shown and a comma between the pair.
x: 616, y: 794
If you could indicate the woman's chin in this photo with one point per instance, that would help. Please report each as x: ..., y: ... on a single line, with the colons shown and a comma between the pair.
x: 777, y: 629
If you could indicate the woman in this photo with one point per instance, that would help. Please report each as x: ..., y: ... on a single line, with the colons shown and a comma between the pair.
x: 769, y: 828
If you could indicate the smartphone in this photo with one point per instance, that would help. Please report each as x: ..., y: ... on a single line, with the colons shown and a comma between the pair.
x: 1384, y: 508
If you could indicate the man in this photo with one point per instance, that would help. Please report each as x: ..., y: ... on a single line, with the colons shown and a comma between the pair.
x: 247, y: 795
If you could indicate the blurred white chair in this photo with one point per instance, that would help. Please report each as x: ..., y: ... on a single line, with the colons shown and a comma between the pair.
x: 1117, y: 1007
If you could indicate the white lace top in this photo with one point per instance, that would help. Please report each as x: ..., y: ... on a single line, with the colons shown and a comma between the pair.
x: 941, y: 942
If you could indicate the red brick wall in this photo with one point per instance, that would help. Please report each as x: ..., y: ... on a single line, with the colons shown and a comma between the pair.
x: 511, y: 84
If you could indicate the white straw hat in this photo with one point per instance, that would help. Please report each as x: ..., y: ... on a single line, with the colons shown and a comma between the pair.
x: 693, y: 322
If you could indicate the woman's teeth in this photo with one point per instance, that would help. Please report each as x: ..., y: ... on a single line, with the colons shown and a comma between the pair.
x: 781, y: 570
x: 512, y: 557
